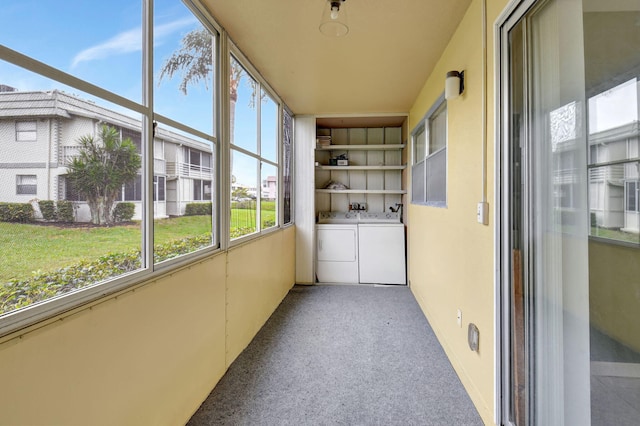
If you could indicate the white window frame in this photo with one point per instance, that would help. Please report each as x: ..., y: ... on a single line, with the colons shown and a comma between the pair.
x: 261, y: 86
x: 422, y: 163
x: 20, y: 184
x: 26, y: 130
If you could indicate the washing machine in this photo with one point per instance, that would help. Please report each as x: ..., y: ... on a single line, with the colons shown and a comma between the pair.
x: 337, y: 247
x: 381, y: 248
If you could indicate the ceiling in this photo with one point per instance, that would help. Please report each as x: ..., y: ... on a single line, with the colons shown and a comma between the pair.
x: 379, y: 67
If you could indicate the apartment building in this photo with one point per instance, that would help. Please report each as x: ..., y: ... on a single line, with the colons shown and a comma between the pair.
x: 40, y: 132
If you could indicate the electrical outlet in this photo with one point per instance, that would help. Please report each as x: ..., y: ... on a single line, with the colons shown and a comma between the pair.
x: 459, y: 318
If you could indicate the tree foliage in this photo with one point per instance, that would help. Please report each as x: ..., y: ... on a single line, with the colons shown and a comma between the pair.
x: 103, y: 165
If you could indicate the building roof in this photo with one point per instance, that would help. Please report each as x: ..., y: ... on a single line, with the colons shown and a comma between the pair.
x: 56, y: 103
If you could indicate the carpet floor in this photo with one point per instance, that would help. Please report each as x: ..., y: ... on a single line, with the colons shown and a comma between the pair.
x: 341, y: 355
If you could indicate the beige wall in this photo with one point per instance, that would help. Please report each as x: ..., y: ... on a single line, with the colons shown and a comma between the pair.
x: 451, y: 255
x: 614, y: 291
x: 150, y: 355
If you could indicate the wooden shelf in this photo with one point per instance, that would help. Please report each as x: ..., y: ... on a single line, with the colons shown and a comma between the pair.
x: 361, y: 191
x: 387, y: 147
x: 325, y: 167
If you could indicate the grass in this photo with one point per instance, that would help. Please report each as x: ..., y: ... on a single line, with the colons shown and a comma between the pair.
x: 615, y: 234
x: 26, y: 247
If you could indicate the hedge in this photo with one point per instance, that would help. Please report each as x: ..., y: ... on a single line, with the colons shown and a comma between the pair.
x: 48, y: 209
x: 16, y: 212
x: 19, y: 293
x: 64, y: 211
x: 123, y: 212
x: 198, y: 209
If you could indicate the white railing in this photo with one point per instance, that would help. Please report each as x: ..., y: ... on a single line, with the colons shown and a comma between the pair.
x: 69, y: 153
x: 189, y: 170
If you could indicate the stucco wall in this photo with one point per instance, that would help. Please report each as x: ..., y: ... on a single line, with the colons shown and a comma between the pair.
x: 150, y: 355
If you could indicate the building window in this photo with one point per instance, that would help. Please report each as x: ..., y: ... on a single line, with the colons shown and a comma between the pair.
x: 26, y: 131
x: 133, y: 190
x: 26, y: 185
x: 429, y: 170
x: 631, y: 196
x: 201, y: 190
x: 159, y: 191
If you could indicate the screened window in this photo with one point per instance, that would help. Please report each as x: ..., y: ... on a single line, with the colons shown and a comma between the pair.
x: 89, y: 120
x: 429, y: 170
x: 26, y: 185
x: 26, y: 131
x: 255, y: 165
x: 631, y: 196
x: 287, y: 165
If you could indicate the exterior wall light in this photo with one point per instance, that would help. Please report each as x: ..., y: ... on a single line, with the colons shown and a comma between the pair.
x: 334, y: 19
x: 454, y: 84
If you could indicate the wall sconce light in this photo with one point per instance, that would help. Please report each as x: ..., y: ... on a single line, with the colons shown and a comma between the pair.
x: 334, y: 19
x: 454, y: 84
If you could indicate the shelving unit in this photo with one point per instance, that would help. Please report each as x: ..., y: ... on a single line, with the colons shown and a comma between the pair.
x: 374, y: 172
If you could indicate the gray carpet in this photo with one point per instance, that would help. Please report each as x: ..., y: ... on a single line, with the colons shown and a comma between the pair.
x: 341, y: 355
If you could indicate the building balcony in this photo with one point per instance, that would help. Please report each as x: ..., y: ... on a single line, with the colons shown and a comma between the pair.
x: 176, y: 169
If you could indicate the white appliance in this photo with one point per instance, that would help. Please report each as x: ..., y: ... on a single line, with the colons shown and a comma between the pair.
x: 381, y: 249
x: 360, y: 247
x: 337, y: 247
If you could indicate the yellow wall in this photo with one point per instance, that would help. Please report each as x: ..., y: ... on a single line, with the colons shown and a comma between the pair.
x: 150, y: 355
x: 450, y: 254
x: 614, y: 291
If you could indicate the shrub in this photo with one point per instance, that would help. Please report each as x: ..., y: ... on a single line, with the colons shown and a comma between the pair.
x: 123, y: 212
x: 48, y: 209
x: 64, y: 211
x: 198, y: 209
x: 239, y: 232
x: 18, y: 293
x: 16, y: 212
x: 269, y: 223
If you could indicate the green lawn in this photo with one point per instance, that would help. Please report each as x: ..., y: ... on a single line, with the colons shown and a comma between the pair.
x: 26, y: 248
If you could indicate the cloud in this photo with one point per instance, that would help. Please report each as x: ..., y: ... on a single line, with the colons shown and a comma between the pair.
x: 128, y: 41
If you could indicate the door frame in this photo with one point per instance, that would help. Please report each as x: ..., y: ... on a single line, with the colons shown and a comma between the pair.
x: 513, y: 12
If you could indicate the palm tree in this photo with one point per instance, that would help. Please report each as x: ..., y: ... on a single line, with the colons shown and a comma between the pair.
x: 195, y: 60
x: 103, y: 165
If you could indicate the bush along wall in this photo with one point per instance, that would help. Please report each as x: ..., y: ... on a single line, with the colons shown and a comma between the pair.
x: 123, y: 212
x: 40, y: 286
x: 64, y: 211
x: 16, y: 212
x: 198, y: 209
x: 48, y: 209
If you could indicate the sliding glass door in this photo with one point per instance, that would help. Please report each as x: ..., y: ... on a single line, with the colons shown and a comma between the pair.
x: 569, y: 172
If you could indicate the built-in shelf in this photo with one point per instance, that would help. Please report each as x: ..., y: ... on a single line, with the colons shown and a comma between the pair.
x: 385, y: 147
x: 361, y: 191
x: 372, y: 167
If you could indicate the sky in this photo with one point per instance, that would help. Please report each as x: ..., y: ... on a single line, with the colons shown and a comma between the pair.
x: 101, y: 42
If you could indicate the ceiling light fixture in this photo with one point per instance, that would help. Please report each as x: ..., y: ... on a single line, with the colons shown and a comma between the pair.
x: 334, y: 19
